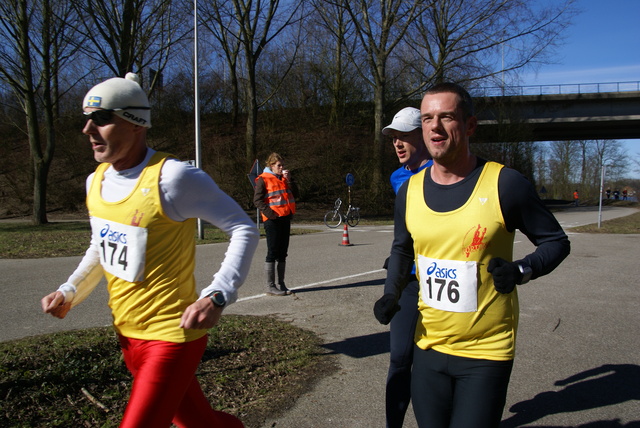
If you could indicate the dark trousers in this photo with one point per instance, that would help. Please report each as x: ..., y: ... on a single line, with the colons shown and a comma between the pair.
x: 277, y: 232
x: 457, y: 392
x: 402, y: 330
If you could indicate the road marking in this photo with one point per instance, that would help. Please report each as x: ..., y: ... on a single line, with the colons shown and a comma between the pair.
x: 257, y: 296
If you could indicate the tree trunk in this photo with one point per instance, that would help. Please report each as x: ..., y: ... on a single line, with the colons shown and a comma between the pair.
x: 250, y: 136
x: 378, y: 143
x: 235, y: 98
x: 252, y: 120
x: 377, y: 182
x: 40, y: 174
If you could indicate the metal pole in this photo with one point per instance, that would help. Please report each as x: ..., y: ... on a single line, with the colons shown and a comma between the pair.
x: 197, y: 99
x: 600, y: 203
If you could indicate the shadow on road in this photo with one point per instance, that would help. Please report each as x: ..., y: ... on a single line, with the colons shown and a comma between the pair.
x: 361, y: 346
x: 375, y: 282
x: 607, y: 385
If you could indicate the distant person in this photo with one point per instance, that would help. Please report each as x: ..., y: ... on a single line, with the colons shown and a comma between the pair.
x: 576, y: 198
x: 406, y: 132
x: 624, y: 194
x: 143, y: 207
x: 275, y: 196
x: 456, y: 220
x: 608, y: 193
x: 616, y: 194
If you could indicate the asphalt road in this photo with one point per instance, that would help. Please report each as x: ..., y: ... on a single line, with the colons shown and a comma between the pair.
x: 577, y: 365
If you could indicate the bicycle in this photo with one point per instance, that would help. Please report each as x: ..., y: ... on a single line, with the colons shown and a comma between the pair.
x: 334, y: 218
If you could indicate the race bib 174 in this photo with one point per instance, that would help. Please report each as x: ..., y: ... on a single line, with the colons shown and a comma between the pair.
x: 448, y: 285
x: 122, y: 248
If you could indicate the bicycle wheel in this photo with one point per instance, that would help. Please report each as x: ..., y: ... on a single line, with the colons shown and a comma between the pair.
x: 353, y: 217
x: 332, y: 219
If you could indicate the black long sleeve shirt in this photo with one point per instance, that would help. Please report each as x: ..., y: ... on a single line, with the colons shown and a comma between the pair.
x: 521, y: 207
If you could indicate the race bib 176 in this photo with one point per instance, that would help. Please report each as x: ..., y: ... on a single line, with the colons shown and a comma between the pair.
x: 448, y: 285
x: 122, y: 248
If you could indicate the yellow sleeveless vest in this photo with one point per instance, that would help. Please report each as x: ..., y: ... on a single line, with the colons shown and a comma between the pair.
x: 446, y: 244
x: 148, y: 258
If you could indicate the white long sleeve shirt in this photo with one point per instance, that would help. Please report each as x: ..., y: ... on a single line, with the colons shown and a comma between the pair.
x: 185, y: 192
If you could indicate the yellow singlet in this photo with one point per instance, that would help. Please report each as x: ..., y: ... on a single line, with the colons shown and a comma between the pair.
x: 461, y: 312
x: 147, y: 257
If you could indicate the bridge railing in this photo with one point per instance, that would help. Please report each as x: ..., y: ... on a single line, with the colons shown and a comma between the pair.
x: 558, y: 89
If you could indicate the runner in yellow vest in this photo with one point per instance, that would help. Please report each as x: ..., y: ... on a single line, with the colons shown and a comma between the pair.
x: 142, y: 206
x: 456, y: 220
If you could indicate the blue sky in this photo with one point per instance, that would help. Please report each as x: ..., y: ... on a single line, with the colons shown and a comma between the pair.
x: 602, y: 45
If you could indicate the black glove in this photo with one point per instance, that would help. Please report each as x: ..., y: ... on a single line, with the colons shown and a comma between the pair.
x: 385, y: 308
x: 505, y: 274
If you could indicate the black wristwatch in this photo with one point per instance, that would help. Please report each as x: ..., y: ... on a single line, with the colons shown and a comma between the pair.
x: 218, y: 299
x: 526, y: 272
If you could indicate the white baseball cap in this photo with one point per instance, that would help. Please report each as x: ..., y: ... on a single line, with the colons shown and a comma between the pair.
x: 124, y: 96
x: 406, y: 120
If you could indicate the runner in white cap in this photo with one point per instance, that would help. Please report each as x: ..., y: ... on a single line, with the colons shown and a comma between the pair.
x: 406, y: 132
x: 143, y: 207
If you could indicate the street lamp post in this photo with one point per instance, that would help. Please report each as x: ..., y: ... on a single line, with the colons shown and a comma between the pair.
x: 602, y: 174
x: 197, y: 101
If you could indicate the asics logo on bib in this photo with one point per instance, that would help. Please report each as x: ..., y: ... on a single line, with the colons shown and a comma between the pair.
x: 439, y: 272
x: 113, y: 235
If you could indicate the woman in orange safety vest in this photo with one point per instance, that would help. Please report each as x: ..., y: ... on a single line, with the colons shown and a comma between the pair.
x: 274, y: 196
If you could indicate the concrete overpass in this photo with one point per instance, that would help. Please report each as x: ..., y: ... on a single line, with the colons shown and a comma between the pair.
x: 557, y: 117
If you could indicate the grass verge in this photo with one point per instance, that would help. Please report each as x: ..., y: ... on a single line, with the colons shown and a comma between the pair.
x: 623, y: 225
x: 253, y: 367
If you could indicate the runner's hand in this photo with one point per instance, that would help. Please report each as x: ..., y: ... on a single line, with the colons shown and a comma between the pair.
x: 201, y: 314
x: 505, y: 274
x: 54, y: 304
x: 385, y: 308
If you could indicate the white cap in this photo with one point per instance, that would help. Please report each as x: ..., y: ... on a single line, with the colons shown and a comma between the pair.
x: 406, y: 120
x: 123, y: 94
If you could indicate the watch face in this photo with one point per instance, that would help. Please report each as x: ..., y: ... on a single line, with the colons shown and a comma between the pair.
x: 218, y: 298
x: 526, y: 273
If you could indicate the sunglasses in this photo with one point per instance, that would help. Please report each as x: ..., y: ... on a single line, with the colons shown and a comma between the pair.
x: 103, y: 117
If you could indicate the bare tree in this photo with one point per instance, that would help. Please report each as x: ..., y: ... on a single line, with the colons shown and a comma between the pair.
x: 219, y: 19
x: 577, y: 165
x: 332, y: 17
x: 380, y: 26
x: 35, y: 48
x: 257, y: 24
x: 635, y: 162
x: 470, y: 40
x: 562, y: 162
x: 541, y: 168
x: 133, y: 35
x: 607, y: 154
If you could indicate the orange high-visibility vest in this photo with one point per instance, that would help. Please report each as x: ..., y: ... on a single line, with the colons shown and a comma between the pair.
x: 279, y: 196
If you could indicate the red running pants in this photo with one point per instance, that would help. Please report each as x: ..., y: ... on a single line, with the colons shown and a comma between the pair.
x: 165, y: 388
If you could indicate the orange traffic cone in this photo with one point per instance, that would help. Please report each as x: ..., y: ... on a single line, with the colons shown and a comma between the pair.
x: 345, y: 237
